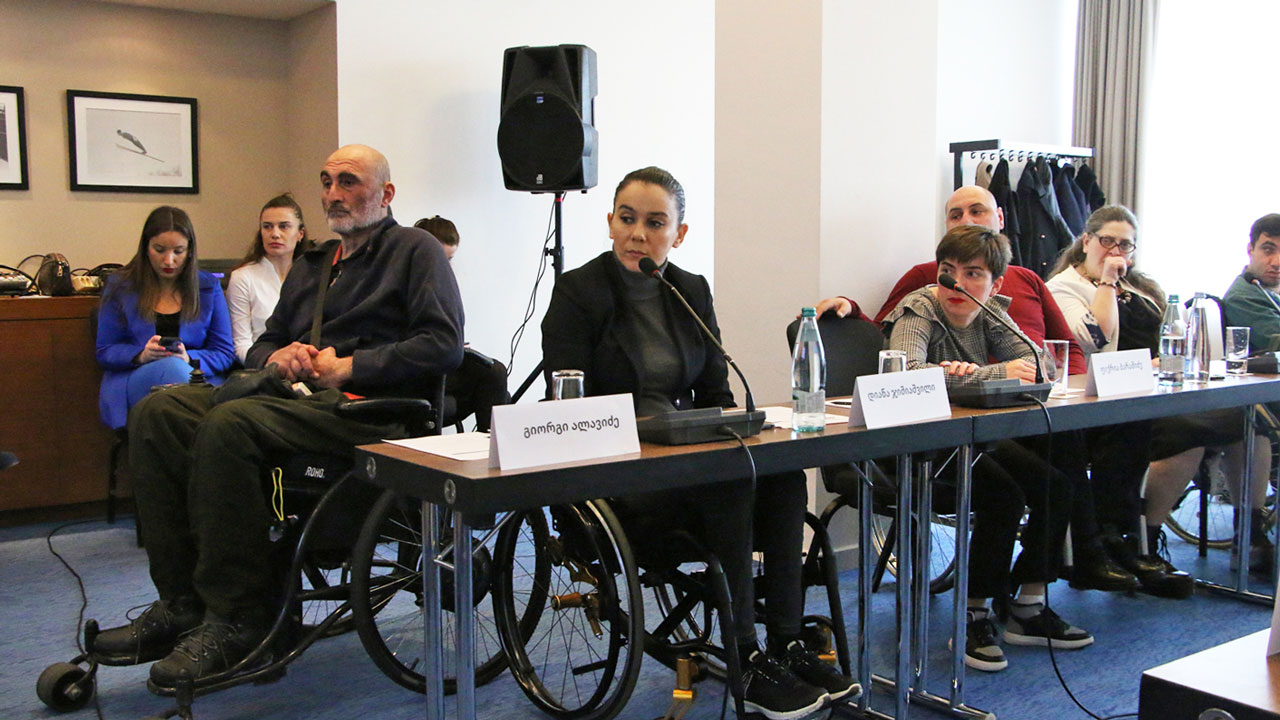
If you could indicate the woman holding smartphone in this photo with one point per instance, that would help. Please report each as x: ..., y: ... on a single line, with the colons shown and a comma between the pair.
x: 158, y: 313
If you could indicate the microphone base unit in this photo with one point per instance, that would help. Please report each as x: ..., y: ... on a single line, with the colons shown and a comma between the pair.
x: 1267, y: 363
x: 1006, y: 392
x: 685, y: 427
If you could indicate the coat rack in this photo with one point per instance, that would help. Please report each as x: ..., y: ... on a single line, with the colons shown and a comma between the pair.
x: 1013, y: 151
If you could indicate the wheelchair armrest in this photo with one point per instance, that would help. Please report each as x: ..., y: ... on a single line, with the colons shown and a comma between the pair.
x: 380, y: 411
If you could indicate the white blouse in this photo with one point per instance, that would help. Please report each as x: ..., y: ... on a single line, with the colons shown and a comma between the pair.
x: 252, y: 295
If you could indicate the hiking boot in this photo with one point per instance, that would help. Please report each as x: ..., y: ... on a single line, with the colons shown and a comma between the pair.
x: 149, y: 636
x: 981, y: 649
x: 1043, y: 629
x: 212, y: 648
x: 806, y: 665
x: 772, y: 690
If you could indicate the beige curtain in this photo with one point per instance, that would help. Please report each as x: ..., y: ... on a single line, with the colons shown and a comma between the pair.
x: 1114, y: 43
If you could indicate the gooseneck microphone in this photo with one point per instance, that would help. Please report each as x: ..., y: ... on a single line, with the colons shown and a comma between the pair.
x: 950, y: 283
x: 649, y: 267
x: 1266, y: 292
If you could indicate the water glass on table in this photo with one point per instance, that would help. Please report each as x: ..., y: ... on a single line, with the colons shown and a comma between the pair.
x: 892, y: 361
x: 567, y: 384
x: 1058, y: 355
x: 1237, y: 350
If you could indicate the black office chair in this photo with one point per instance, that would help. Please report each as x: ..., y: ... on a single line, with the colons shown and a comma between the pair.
x: 474, y: 388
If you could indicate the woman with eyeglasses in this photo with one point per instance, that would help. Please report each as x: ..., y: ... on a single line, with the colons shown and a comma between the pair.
x: 1110, y: 306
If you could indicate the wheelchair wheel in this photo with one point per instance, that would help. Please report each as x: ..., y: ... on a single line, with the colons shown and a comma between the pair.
x: 386, y: 598
x: 942, y: 549
x: 325, y: 587
x: 1184, y: 521
x: 582, y: 657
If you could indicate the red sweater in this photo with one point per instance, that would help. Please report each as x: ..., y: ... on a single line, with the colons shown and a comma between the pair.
x: 1033, y: 307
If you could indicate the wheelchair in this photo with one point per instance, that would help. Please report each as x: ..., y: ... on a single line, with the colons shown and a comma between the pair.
x: 569, y: 586
x: 348, y: 556
x: 1205, y: 513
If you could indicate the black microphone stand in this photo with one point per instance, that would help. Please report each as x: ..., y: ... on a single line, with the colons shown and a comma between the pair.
x: 950, y: 283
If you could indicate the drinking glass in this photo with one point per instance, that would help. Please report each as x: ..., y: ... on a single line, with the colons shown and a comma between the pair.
x: 1237, y: 350
x: 893, y: 361
x: 1055, y: 370
x: 566, y: 384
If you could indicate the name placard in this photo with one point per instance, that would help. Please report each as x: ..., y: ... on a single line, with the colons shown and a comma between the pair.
x: 899, y: 398
x: 1120, y: 373
x: 562, y: 431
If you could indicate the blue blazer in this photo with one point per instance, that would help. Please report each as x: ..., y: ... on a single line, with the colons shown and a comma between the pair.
x: 122, y: 333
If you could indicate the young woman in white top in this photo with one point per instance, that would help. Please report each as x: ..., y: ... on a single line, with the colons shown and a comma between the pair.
x: 255, y: 284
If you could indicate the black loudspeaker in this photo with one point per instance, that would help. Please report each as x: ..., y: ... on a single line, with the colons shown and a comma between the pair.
x: 546, y: 138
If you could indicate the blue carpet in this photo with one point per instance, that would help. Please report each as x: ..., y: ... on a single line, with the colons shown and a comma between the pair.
x: 39, y: 602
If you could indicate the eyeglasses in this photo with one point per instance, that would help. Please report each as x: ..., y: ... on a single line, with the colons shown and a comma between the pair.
x: 1126, y: 245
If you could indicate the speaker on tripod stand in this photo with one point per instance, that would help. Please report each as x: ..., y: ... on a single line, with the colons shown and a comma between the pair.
x: 547, y: 140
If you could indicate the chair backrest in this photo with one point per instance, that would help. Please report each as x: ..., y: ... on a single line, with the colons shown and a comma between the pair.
x: 852, y: 346
x: 475, y: 387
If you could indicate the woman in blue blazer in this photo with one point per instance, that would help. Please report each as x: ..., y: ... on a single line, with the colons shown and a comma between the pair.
x: 160, y: 294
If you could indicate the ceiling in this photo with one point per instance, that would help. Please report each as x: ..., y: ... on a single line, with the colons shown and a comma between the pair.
x: 265, y: 9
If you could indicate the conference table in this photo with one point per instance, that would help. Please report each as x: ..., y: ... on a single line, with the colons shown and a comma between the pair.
x: 471, y: 489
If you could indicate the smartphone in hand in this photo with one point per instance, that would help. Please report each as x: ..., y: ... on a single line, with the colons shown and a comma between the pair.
x: 172, y: 344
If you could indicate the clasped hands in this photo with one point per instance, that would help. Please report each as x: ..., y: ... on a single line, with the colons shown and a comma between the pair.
x: 301, y: 362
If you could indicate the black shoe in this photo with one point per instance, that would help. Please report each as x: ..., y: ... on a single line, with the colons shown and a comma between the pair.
x: 211, y: 648
x: 1043, y: 629
x: 1158, y: 576
x: 812, y: 669
x: 981, y: 649
x: 151, y: 635
x: 772, y: 690
x: 1095, y: 570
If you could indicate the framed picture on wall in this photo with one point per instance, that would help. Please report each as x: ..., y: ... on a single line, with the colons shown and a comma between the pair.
x: 132, y: 143
x: 13, y: 139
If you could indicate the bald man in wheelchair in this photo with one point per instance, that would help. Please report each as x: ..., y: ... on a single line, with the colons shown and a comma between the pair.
x: 392, y: 318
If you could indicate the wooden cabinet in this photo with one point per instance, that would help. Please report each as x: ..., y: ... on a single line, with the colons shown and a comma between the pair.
x: 49, y: 416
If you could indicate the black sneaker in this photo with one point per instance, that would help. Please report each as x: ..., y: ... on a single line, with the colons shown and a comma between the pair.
x: 149, y: 636
x: 812, y: 669
x: 981, y: 649
x: 772, y: 690
x: 1045, y: 628
x: 211, y: 648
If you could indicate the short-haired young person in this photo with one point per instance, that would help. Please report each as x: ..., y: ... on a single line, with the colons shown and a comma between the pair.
x: 938, y: 327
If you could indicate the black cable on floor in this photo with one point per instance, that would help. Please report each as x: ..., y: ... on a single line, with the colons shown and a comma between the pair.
x: 84, y: 597
x: 1053, y: 660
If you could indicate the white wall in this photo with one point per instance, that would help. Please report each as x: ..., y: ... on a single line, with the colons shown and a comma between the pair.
x: 1006, y: 69
x: 879, y: 99
x: 768, y: 151
x: 420, y: 80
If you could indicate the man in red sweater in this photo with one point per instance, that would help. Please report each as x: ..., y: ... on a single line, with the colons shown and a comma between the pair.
x: 1036, y: 314
x: 1033, y: 307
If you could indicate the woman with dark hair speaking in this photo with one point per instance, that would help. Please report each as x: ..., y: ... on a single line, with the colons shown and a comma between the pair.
x: 158, y: 313
x: 628, y: 335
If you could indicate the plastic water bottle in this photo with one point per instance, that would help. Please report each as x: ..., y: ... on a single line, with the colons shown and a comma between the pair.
x: 1173, y: 343
x: 1197, y: 367
x: 808, y: 376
